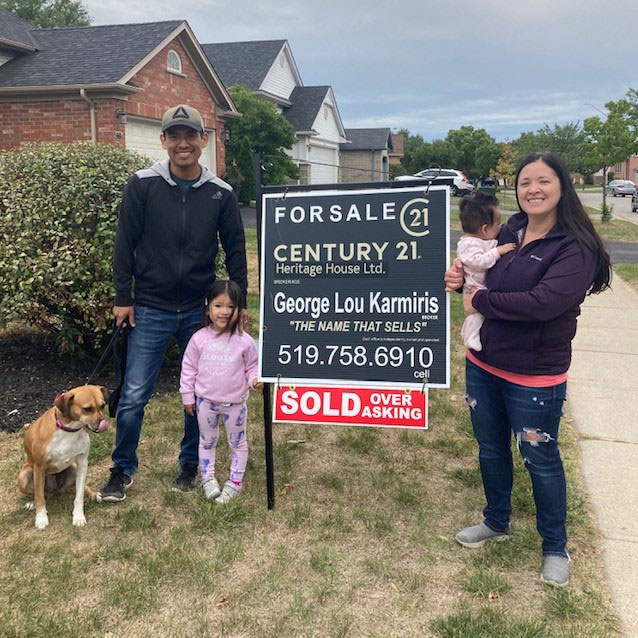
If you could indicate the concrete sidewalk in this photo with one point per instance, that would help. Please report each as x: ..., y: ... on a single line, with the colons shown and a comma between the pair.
x: 603, y: 401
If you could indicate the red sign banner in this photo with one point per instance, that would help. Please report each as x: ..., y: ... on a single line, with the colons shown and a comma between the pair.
x: 379, y: 407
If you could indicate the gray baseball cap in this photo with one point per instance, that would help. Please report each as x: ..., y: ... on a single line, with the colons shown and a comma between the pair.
x: 182, y: 115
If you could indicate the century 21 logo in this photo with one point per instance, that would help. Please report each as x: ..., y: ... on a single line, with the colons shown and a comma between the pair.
x: 414, y: 217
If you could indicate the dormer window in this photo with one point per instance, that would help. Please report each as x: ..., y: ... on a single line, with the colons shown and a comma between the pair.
x: 173, y: 62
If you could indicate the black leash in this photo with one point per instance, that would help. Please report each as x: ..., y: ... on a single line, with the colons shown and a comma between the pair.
x: 109, y: 347
x: 119, y: 346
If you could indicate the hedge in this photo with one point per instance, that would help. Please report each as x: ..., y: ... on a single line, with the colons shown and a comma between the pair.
x: 58, y: 215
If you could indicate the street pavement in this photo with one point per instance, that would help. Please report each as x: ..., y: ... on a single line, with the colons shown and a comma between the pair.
x: 603, y: 403
x: 622, y: 205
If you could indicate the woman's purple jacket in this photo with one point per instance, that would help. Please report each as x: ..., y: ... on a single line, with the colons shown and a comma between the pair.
x: 532, y: 300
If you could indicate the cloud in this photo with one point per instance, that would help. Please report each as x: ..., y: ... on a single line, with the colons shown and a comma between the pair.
x: 429, y: 65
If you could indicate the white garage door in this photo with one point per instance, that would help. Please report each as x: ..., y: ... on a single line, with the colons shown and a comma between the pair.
x: 320, y: 173
x: 143, y: 136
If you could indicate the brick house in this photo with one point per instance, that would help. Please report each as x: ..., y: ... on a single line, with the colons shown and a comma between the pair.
x: 365, y: 157
x: 268, y: 68
x: 106, y: 83
x: 396, y: 155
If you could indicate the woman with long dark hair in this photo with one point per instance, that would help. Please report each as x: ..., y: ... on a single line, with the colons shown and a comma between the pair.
x: 517, y: 382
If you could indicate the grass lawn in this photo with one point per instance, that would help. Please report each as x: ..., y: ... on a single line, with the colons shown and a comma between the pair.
x: 629, y: 272
x: 360, y: 542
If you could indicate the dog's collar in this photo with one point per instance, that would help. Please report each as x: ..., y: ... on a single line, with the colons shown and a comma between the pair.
x: 61, y: 425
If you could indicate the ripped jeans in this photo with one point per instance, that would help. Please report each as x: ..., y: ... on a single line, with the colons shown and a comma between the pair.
x: 498, y: 407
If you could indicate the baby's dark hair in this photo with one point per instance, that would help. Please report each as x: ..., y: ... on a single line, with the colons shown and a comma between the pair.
x: 477, y: 210
x: 230, y: 288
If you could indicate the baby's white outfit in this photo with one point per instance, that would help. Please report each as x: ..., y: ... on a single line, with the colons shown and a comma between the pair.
x: 477, y: 256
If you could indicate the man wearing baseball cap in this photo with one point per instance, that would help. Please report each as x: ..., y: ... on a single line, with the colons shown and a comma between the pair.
x: 171, y: 217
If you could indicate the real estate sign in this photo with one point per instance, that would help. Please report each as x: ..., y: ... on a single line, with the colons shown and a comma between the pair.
x: 352, y: 288
x: 376, y: 407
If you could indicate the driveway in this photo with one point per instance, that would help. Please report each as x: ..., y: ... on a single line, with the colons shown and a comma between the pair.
x: 622, y: 205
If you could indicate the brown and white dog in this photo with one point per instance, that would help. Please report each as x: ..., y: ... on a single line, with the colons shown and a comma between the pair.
x: 57, y: 446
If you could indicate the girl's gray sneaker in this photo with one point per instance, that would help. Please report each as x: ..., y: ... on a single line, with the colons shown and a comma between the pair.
x: 556, y: 570
x: 477, y: 535
x: 230, y: 491
x: 211, y: 489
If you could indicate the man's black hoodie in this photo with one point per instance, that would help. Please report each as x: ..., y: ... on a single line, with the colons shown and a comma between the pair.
x: 167, y: 241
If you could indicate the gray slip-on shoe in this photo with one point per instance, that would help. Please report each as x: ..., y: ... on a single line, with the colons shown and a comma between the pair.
x: 477, y: 535
x: 556, y: 570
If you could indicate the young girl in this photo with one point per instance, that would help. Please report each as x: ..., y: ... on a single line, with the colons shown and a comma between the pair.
x: 481, y: 221
x: 218, y: 367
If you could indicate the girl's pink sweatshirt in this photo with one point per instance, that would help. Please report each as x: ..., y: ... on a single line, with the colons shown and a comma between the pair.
x: 218, y: 366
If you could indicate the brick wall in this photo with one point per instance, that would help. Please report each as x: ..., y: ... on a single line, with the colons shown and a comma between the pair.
x: 69, y: 120
x: 358, y: 166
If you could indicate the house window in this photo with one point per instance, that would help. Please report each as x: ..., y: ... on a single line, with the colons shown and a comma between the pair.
x: 326, y: 113
x: 618, y: 168
x: 281, y: 60
x: 173, y: 62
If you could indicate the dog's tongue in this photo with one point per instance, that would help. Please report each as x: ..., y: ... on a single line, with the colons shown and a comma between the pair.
x: 104, y: 424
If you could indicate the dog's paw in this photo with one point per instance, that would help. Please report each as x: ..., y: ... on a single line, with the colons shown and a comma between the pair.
x: 79, y: 520
x: 29, y: 506
x: 41, y: 520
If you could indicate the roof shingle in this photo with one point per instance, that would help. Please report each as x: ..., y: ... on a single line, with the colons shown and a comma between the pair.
x: 306, y: 103
x: 367, y: 139
x: 245, y: 63
x: 16, y: 29
x: 85, y: 55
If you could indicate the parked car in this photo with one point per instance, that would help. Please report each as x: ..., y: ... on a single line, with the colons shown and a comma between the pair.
x: 620, y: 187
x: 460, y: 186
x: 634, y: 202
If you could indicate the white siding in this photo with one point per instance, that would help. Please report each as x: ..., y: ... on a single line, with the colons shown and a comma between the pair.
x: 5, y: 58
x: 143, y: 136
x: 280, y: 80
x: 327, y: 127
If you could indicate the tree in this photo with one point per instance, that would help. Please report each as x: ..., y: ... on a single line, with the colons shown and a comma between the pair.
x: 477, y: 151
x: 411, y: 149
x: 261, y: 129
x: 432, y: 153
x: 506, y: 165
x: 611, y: 141
x: 567, y: 141
x: 49, y: 13
x: 632, y: 98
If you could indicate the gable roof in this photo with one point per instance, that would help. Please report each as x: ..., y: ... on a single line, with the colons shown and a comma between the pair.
x: 306, y: 102
x: 104, y: 56
x: 85, y: 55
x: 368, y: 139
x: 15, y: 32
x: 245, y: 63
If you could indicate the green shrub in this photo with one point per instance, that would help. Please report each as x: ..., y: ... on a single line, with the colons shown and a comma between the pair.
x: 58, y: 215
x: 606, y: 212
x: 396, y: 170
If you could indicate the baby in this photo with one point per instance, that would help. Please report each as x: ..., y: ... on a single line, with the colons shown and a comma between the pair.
x: 478, y: 251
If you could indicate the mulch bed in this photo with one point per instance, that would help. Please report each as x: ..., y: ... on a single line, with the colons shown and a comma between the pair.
x: 32, y: 373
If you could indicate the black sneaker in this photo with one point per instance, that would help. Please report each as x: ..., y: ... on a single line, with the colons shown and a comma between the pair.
x: 114, y: 489
x: 186, y: 480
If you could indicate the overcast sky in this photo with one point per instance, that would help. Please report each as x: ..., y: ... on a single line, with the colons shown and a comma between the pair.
x: 506, y: 66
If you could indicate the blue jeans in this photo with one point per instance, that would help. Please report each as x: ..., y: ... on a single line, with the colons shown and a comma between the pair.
x: 147, y: 345
x: 498, y: 407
